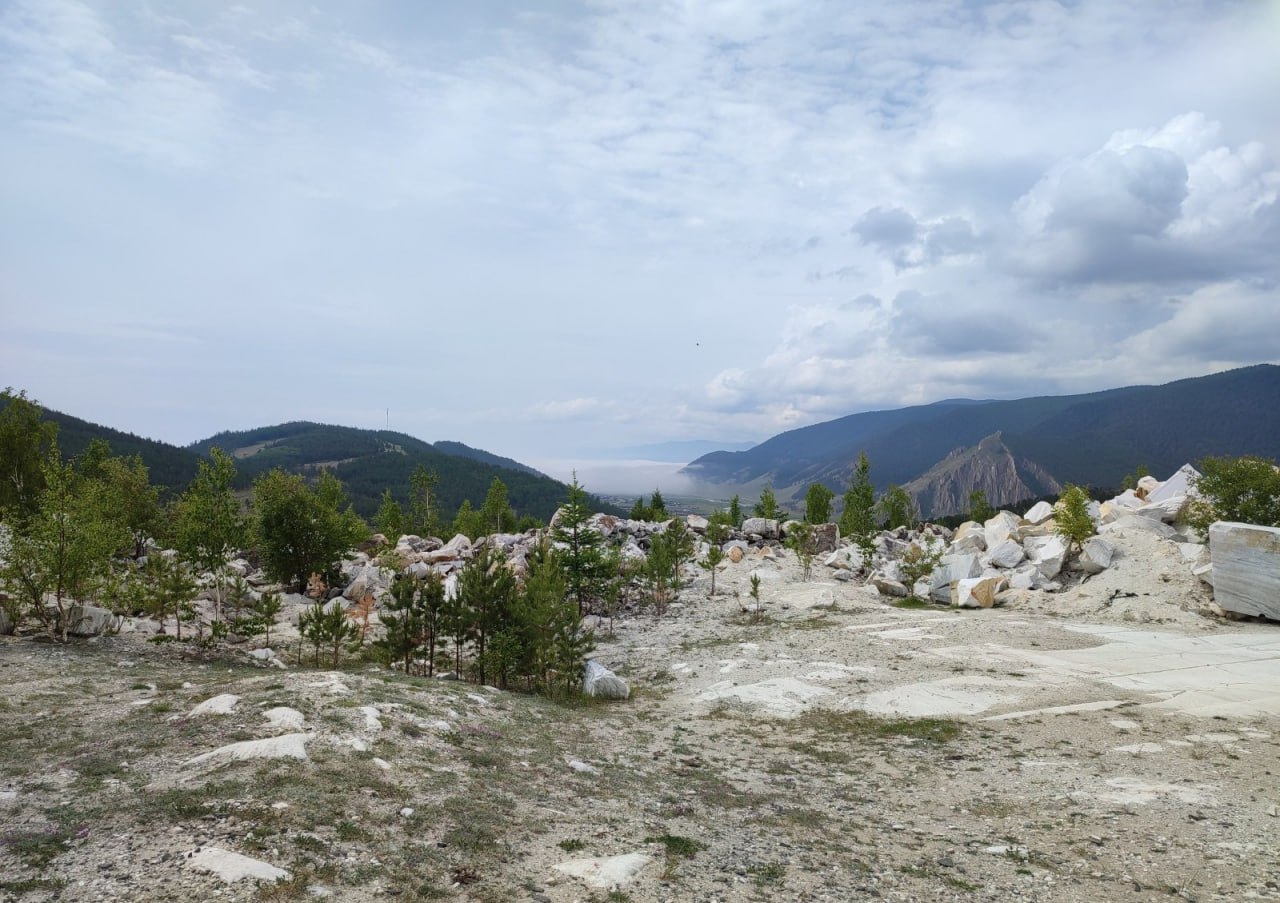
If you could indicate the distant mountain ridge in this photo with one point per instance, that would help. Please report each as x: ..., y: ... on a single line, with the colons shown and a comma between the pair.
x: 366, y: 461
x: 1089, y: 439
x: 369, y: 461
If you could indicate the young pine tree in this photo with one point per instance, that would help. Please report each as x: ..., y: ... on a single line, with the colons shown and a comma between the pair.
x: 858, y: 520
x: 582, y: 550
x: 817, y: 504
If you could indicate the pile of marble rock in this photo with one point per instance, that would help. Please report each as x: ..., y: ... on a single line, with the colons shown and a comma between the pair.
x: 1012, y: 551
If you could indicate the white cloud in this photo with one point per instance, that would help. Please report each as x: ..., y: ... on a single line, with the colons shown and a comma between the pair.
x: 630, y: 217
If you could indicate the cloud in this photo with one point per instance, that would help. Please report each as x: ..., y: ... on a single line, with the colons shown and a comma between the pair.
x: 1159, y: 206
x: 842, y: 205
x: 569, y: 409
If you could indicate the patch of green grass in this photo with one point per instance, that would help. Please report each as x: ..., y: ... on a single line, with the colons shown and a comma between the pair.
x: 677, y: 846
x: 349, y: 830
x: 572, y: 845
x: 912, y: 602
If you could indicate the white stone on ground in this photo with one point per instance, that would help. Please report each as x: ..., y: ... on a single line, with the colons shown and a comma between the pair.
x: 218, y: 705
x: 371, y: 720
x: 606, y: 872
x: 284, y: 718
x: 287, y: 746
x: 231, y: 866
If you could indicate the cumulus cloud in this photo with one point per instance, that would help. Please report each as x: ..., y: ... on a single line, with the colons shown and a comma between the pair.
x: 1163, y: 205
x: 909, y: 242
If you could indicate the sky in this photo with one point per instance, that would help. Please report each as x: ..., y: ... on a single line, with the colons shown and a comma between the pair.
x: 555, y: 229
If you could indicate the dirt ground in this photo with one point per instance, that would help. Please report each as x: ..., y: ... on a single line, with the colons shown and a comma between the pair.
x: 1084, y: 746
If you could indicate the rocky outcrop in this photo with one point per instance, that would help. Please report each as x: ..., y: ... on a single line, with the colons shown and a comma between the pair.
x: 989, y: 467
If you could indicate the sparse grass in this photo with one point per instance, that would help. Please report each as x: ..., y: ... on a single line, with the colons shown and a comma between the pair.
x: 767, y: 872
x: 572, y: 845
x: 21, y: 886
x: 677, y: 846
x: 860, y: 725
x: 37, y: 847
x: 912, y: 602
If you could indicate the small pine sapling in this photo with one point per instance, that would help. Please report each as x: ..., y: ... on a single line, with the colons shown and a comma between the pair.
x: 918, y: 563
x: 757, y: 611
x: 1072, y: 520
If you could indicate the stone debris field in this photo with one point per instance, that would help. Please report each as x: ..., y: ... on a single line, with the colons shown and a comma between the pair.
x: 1111, y: 737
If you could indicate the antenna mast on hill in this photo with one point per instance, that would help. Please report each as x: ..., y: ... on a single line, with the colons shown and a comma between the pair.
x: 388, y: 418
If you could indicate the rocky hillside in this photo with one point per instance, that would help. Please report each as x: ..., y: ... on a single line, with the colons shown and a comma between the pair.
x: 1093, y: 439
x: 988, y: 467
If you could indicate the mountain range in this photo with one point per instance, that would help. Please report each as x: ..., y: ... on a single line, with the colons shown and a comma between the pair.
x: 366, y: 461
x: 1016, y: 449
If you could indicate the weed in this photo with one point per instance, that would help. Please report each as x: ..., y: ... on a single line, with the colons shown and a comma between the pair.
x: 572, y: 845
x: 38, y: 847
x: 677, y: 846
x: 767, y: 872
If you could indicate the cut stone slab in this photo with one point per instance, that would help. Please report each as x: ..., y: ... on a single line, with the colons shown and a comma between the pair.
x: 232, y: 867
x: 217, y: 705
x: 606, y: 872
x: 781, y: 697
x: 1246, y: 568
x: 949, y: 696
x: 286, y: 746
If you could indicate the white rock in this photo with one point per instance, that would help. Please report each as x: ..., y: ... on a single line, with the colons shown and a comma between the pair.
x: 231, y: 866
x: 1246, y: 568
x: 1181, y: 483
x: 1038, y: 513
x: 582, y: 767
x: 1143, y: 524
x: 977, y: 592
x: 969, y: 537
x: 90, y: 620
x: 848, y: 558
x: 286, y: 746
x: 1006, y: 554
x: 887, y: 586
x: 607, y: 872
x: 950, y: 569
x: 1003, y: 526
x: 697, y: 523
x: 1166, y: 511
x: 601, y: 683
x: 1147, y: 485
x: 764, y: 527
x: 1204, y: 572
x: 218, y: 705
x: 285, y: 718
x: 1049, y: 553
x: 371, y: 720
x: 367, y: 580
x: 1095, y: 556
